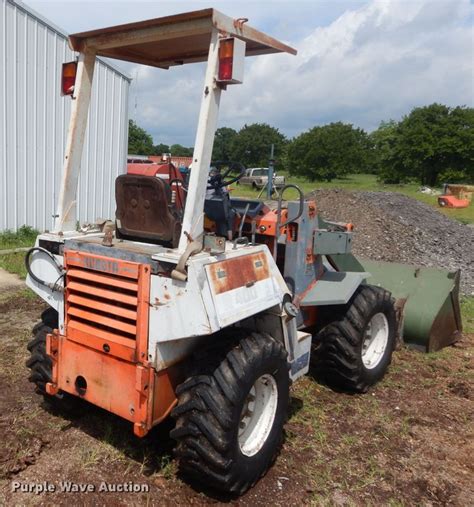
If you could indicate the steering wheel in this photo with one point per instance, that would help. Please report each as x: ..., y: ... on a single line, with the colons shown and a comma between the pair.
x: 219, y: 180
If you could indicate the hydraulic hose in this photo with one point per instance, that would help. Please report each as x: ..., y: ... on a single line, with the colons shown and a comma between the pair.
x: 53, y: 286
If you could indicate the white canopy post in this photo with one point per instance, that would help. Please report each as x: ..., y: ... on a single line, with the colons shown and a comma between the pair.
x: 193, y: 220
x: 66, y: 215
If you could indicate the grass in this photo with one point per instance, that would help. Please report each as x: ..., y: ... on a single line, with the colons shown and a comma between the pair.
x: 24, y: 236
x: 314, y: 422
x: 361, y: 182
x: 25, y: 293
x: 14, y: 263
x: 467, y: 312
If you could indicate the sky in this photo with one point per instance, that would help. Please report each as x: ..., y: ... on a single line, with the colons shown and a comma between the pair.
x: 359, y: 62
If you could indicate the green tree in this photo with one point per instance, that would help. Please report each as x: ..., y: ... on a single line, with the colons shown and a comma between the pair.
x: 382, y: 143
x: 161, y: 148
x: 222, y: 144
x: 431, y: 144
x: 180, y: 151
x: 140, y: 141
x: 252, y: 145
x: 330, y: 151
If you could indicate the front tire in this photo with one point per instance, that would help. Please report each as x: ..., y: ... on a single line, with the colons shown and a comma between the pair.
x: 229, y: 422
x: 354, y: 352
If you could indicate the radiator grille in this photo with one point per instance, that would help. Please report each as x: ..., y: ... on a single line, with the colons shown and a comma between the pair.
x: 101, y: 305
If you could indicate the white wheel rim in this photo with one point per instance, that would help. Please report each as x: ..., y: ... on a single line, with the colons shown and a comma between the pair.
x: 258, y: 415
x: 375, y: 340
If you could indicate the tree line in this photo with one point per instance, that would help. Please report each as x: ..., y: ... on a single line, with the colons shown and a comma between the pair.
x: 140, y: 142
x: 432, y: 144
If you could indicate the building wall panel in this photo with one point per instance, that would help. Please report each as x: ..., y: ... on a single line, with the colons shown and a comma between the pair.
x: 34, y: 120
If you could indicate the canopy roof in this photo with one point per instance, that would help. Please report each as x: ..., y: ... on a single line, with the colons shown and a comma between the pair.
x: 173, y: 40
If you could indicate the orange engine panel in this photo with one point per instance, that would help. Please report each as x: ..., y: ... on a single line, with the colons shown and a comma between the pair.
x: 102, y: 356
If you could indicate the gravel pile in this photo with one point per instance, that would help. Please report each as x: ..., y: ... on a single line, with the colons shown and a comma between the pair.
x: 396, y: 228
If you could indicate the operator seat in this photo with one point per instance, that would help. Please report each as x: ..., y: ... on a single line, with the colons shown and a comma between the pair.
x: 145, y: 211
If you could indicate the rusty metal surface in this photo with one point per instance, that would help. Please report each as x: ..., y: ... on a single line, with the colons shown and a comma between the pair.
x: 244, y: 288
x: 102, y: 356
x: 77, y: 38
x: 140, y: 253
x: 93, y: 283
x: 239, y: 272
x: 102, y: 264
x: 173, y: 40
x: 124, y: 246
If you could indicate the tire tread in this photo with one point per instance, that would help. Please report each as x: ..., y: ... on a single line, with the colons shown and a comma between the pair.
x: 204, y: 426
x: 338, y: 361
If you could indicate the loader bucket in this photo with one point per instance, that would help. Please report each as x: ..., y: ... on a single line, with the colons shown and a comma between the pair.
x: 428, y: 297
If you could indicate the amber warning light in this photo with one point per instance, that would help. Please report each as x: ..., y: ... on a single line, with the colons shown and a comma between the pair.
x: 231, y: 61
x: 68, y: 78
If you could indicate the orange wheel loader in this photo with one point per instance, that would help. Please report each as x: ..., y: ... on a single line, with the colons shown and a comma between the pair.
x: 200, y: 308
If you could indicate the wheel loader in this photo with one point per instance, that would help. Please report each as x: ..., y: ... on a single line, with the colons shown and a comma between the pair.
x: 203, y: 307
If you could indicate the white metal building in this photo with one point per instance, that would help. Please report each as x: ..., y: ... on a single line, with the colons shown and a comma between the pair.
x: 34, y: 119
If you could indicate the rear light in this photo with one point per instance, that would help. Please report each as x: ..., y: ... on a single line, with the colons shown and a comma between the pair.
x: 226, y: 57
x: 68, y: 78
x: 231, y: 61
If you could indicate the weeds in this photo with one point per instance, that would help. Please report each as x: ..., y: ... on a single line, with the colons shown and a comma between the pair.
x: 14, y: 263
x: 467, y: 311
x: 24, y: 236
x: 168, y: 467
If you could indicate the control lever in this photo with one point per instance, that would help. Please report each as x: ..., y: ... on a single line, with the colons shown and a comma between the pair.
x: 244, y: 216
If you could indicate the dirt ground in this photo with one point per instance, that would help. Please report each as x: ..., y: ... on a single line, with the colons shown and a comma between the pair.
x: 8, y: 281
x: 406, y: 442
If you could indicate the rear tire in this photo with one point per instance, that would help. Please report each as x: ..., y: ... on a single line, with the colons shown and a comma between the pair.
x: 229, y: 422
x: 40, y: 363
x: 354, y: 352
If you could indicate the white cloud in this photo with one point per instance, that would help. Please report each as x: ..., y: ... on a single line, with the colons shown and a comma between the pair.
x: 359, y: 62
x: 371, y: 64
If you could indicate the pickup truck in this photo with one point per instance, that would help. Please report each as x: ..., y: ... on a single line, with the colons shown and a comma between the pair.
x: 257, y: 177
